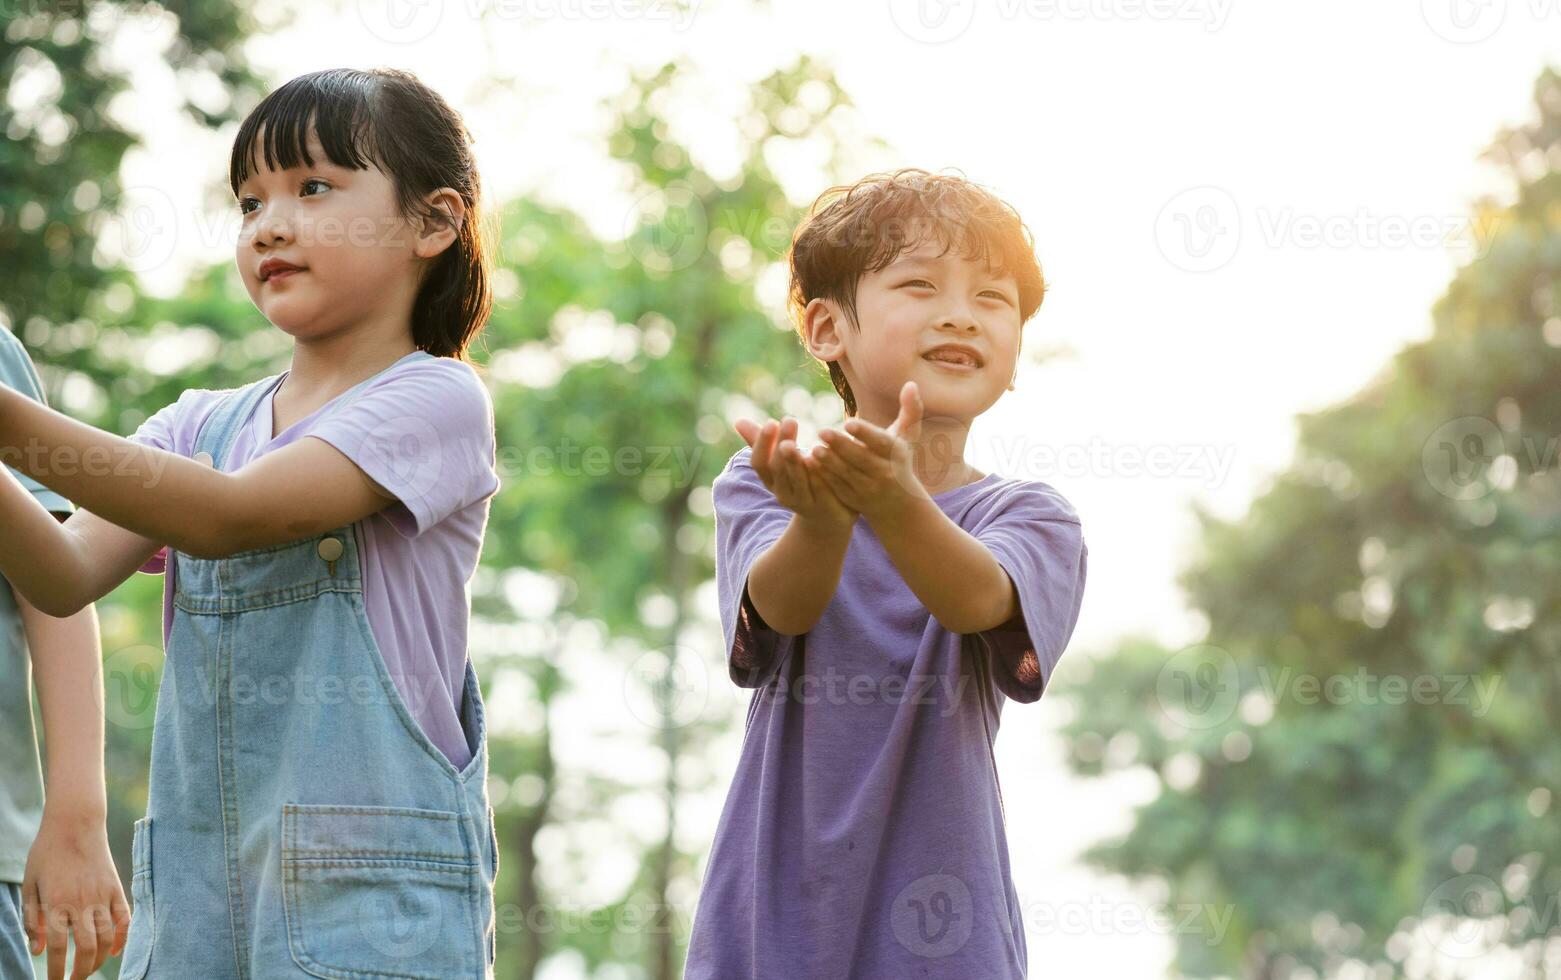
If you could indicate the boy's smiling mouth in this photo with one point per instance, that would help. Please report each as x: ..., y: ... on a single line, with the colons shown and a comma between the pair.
x: 960, y: 357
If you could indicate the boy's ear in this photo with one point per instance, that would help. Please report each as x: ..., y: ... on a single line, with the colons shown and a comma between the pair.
x: 821, y: 327
x: 434, y: 235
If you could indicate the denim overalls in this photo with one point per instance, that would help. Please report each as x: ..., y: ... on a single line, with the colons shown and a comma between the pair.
x: 299, y: 822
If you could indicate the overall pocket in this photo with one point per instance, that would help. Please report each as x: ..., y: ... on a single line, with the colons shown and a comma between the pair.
x: 381, y: 891
x: 138, y: 944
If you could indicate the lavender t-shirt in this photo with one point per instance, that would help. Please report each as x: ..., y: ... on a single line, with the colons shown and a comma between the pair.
x: 863, y: 835
x: 423, y: 429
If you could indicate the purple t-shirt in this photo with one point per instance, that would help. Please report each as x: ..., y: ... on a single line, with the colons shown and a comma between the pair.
x: 423, y: 429
x: 863, y: 835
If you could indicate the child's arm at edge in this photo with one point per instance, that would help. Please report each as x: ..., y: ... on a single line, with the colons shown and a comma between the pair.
x: 69, y: 866
x: 303, y: 489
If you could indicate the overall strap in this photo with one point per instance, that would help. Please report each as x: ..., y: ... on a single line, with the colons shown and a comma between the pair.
x: 222, y: 425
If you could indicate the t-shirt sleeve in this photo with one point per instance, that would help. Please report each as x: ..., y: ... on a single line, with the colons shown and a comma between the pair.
x: 425, y: 434
x: 1038, y: 540
x: 17, y: 371
x: 748, y: 520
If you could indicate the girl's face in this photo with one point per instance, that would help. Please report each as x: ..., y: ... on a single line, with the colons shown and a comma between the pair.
x: 915, y: 304
x: 342, y: 231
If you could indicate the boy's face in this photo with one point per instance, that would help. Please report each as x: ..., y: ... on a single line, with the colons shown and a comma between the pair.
x: 915, y: 304
x: 342, y: 226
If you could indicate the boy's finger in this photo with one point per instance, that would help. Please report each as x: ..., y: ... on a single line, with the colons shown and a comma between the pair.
x: 847, y: 448
x: 821, y: 487
x: 781, y: 467
x: 747, y: 428
x: 830, y: 480
x: 871, y: 436
x: 910, y: 410
x: 763, y: 447
x: 842, y: 472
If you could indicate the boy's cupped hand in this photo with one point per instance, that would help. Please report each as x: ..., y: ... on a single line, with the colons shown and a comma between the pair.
x: 794, y: 477
x: 872, y: 469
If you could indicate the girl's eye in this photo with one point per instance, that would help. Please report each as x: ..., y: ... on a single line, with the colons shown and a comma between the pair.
x: 913, y: 282
x: 244, y: 203
x: 1000, y: 295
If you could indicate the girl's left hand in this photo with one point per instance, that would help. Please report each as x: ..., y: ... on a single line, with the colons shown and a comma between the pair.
x: 874, y: 473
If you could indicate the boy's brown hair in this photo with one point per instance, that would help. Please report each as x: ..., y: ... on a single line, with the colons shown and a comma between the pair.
x: 854, y: 229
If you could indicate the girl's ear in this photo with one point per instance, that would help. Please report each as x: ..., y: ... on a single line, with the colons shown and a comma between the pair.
x: 821, y: 325
x: 437, y: 233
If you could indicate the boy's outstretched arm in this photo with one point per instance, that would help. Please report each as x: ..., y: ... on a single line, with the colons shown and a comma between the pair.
x: 299, y: 490
x: 70, y: 886
x: 955, y: 576
x: 791, y: 584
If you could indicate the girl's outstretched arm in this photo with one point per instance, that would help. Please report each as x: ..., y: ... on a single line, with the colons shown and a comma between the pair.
x: 303, y: 489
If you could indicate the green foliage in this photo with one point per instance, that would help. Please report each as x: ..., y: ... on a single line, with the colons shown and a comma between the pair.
x: 1413, y: 541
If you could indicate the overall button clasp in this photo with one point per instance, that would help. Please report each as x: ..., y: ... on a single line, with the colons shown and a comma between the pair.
x: 330, y: 550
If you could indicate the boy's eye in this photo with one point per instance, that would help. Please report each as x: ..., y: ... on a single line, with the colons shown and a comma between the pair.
x: 244, y: 204
x: 316, y: 180
x: 998, y: 293
x: 913, y: 282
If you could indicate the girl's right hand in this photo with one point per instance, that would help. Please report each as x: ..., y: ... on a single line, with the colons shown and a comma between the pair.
x: 793, y: 478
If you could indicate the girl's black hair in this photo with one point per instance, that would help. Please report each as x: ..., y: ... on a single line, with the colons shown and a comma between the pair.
x: 388, y: 119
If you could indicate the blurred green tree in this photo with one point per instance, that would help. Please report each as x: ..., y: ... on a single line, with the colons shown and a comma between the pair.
x: 1356, y: 762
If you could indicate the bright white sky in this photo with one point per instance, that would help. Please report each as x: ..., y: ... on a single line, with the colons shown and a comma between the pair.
x: 1122, y: 131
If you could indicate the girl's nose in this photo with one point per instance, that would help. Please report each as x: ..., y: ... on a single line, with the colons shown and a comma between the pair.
x: 273, y: 227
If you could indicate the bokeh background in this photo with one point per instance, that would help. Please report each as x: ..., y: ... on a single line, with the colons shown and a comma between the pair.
x: 1299, y: 370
